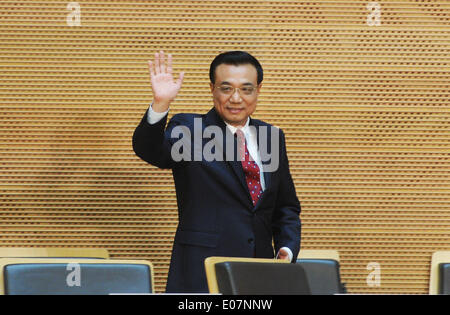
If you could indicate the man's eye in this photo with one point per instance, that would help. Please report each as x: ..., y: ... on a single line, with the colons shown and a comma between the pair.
x: 225, y: 88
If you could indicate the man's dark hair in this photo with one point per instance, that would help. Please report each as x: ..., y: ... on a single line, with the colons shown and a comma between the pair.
x: 235, y: 58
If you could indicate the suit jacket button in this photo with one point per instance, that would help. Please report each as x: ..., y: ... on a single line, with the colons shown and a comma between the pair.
x: 250, y: 240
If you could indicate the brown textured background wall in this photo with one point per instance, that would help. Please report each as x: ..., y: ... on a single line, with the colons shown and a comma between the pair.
x: 365, y: 109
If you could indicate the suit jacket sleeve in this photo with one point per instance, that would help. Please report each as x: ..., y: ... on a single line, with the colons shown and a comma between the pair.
x: 152, y: 143
x: 286, y: 225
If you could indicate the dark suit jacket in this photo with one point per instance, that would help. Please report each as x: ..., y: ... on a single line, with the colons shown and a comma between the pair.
x: 216, y: 214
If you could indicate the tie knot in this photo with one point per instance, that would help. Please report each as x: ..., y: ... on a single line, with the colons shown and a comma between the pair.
x: 239, y: 134
x: 241, y: 144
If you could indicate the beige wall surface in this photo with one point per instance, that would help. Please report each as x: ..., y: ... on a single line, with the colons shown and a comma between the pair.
x: 361, y: 89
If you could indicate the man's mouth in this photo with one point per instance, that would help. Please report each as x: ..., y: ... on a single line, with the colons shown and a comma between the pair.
x: 234, y: 110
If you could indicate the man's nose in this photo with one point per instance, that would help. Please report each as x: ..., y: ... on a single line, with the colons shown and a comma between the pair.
x: 236, y: 97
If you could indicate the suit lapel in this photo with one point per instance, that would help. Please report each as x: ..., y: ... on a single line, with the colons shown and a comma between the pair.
x: 228, y: 141
x: 265, y: 136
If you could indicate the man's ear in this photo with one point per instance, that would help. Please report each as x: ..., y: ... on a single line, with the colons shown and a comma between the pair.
x: 211, y: 86
x: 258, y: 87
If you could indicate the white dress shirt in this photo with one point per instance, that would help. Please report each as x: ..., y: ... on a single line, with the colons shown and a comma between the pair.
x: 252, y: 146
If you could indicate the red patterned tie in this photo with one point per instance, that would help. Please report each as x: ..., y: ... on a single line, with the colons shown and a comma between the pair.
x: 251, y: 169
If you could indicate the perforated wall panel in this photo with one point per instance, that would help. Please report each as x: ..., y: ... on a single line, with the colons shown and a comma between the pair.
x: 361, y: 92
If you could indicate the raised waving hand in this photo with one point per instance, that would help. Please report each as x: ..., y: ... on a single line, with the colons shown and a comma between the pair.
x: 164, y: 87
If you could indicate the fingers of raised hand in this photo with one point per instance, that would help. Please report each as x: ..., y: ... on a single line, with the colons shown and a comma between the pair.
x: 180, y: 79
x: 157, y: 62
x: 151, y: 69
x: 159, y: 65
x: 169, y: 64
x: 162, y: 64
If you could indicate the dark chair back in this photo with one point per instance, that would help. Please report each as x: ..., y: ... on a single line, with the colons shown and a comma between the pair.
x: 323, y: 276
x: 253, y: 278
x: 440, y: 273
x: 76, y: 276
x: 444, y: 278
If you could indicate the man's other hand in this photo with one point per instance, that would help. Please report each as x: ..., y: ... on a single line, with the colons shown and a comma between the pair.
x: 283, y: 254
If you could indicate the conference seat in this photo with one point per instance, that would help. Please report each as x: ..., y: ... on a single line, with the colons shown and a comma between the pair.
x: 254, y: 276
x: 17, y: 252
x: 74, y: 276
x: 440, y: 273
x: 322, y: 271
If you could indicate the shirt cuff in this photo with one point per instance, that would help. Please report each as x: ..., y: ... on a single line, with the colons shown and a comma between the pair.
x: 154, y: 117
x: 288, y: 251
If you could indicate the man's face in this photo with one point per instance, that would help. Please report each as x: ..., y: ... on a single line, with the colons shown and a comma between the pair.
x: 235, y: 105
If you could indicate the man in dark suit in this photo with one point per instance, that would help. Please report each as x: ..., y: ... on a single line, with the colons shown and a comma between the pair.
x: 240, y: 204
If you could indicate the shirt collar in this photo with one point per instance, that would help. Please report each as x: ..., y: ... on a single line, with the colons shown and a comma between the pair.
x: 233, y: 128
